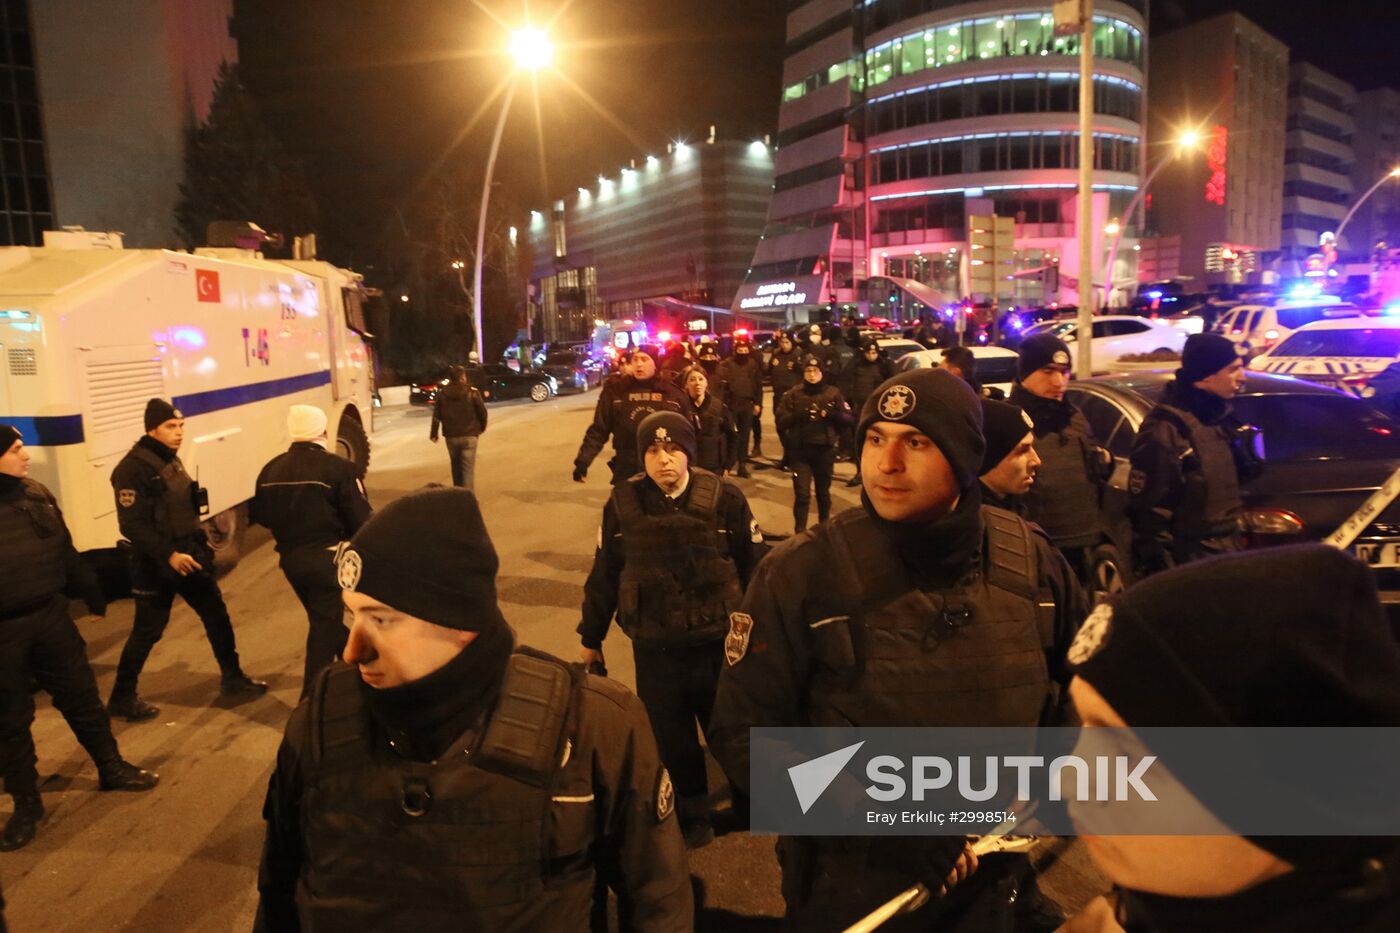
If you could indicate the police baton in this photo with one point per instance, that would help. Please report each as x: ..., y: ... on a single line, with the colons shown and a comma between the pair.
x: 912, y: 898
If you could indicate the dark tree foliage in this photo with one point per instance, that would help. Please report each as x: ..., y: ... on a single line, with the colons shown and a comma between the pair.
x: 237, y: 169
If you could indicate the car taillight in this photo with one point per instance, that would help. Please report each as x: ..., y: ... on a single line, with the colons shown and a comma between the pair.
x: 1359, y: 383
x: 1272, y: 522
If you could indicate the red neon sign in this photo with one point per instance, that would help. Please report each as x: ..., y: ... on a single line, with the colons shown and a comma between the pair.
x: 1216, y: 155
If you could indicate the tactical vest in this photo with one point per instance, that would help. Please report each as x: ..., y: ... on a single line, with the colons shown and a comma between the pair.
x: 176, y: 511
x: 32, y: 570
x: 678, y: 586
x: 710, y: 434
x: 1210, y: 502
x: 890, y: 654
x: 1064, y: 499
x: 467, y: 842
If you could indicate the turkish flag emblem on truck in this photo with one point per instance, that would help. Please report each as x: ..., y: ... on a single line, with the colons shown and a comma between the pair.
x: 206, y: 284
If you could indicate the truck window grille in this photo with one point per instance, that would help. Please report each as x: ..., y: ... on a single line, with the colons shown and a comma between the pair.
x: 118, y: 391
x: 23, y: 363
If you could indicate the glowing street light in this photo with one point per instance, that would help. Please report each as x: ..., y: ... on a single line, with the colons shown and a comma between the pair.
x: 531, y: 48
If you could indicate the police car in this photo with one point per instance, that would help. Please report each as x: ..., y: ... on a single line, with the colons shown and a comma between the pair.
x: 1345, y: 354
x: 1257, y: 329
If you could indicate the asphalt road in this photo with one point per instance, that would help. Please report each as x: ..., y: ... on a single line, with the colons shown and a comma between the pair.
x: 185, y: 856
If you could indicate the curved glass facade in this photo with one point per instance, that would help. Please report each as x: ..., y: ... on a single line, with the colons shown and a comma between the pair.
x: 995, y: 95
x: 999, y: 152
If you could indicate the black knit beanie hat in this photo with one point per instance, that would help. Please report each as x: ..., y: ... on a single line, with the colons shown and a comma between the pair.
x: 1004, y: 425
x: 1290, y: 636
x: 1040, y: 351
x: 8, y: 437
x: 159, y: 411
x: 941, y: 406
x: 662, y: 427
x: 428, y: 554
x: 1205, y: 355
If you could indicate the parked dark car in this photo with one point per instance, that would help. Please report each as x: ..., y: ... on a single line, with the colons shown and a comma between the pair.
x: 1324, y: 452
x: 574, y: 370
x: 496, y: 381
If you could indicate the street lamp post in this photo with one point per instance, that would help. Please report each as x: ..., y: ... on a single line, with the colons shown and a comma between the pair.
x: 531, y: 49
x: 1188, y: 140
x: 1393, y: 173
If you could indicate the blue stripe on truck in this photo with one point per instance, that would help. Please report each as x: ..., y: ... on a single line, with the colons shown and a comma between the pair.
x: 63, y: 430
x: 51, y: 431
x: 201, y: 403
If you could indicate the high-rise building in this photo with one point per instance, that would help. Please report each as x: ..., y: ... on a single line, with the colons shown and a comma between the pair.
x: 1377, y: 149
x: 675, y: 228
x: 1225, y: 78
x: 900, y: 119
x: 117, y: 87
x: 1318, y: 161
x: 27, y: 203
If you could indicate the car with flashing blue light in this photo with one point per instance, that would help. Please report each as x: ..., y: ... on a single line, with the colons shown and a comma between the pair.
x: 1257, y: 328
x: 1346, y: 353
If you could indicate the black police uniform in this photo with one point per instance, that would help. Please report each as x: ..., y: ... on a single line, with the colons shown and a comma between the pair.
x: 622, y: 405
x: 810, y: 419
x: 671, y: 570
x: 158, y: 515
x: 1074, y: 467
x: 508, y: 829
x: 716, y: 437
x: 1188, y: 460
x: 741, y: 386
x: 312, y: 500
x: 823, y: 639
x: 784, y: 372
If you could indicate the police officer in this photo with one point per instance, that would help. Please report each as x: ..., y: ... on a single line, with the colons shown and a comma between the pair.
x: 862, y: 376
x: 821, y: 348
x: 445, y: 779
x: 622, y: 405
x: 39, y: 642
x: 741, y: 387
x: 896, y: 614
x: 676, y: 548
x: 1188, y: 460
x: 811, y: 417
x: 158, y: 513
x: 716, y: 437
x: 311, y: 500
x: 1073, y: 466
x: 1284, y: 638
x: 962, y: 362
x: 708, y: 358
x: 784, y: 372
x: 1010, y: 463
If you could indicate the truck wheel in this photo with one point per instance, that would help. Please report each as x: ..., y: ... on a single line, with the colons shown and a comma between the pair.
x: 226, y: 531
x: 352, y: 444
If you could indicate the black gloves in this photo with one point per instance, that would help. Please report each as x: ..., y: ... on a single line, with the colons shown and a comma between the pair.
x: 926, y: 859
x: 580, y: 471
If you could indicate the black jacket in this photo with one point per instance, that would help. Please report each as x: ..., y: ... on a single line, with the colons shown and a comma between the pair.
x: 139, y: 489
x: 740, y: 540
x: 785, y: 370
x: 741, y: 384
x: 37, y: 558
x: 862, y: 377
x: 460, y: 411
x: 716, y: 436
x: 309, y: 497
x: 622, y: 405
x: 812, y: 416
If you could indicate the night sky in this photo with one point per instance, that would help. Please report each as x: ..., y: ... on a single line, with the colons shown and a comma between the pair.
x: 375, y: 96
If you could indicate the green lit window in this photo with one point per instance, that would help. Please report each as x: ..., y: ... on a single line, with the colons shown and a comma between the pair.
x: 794, y: 91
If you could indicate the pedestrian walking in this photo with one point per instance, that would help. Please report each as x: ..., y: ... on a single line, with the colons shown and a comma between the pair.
x: 741, y: 387
x: 460, y: 413
x: 829, y: 635
x: 622, y: 404
x: 311, y: 500
x: 158, y: 508
x: 444, y: 779
x: 716, y: 437
x: 1188, y: 460
x: 40, y: 644
x: 810, y: 417
x: 676, y: 549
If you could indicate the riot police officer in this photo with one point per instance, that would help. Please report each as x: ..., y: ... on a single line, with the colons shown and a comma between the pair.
x: 676, y: 548
x: 810, y: 418
x: 1010, y: 463
x: 1073, y: 466
x: 623, y: 403
x: 862, y: 376
x: 311, y: 500
x: 1188, y: 460
x: 158, y: 513
x: 741, y: 387
x: 716, y: 438
x: 443, y: 778
x: 39, y: 642
x: 896, y: 614
x: 784, y: 372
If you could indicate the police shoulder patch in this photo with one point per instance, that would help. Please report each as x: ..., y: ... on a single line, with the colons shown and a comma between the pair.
x: 665, y: 796
x: 126, y: 498
x: 349, y: 567
x: 755, y: 534
x: 736, y: 643
x: 1093, y: 635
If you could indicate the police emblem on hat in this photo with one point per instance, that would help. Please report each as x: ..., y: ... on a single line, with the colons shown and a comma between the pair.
x: 665, y: 796
x: 736, y: 643
x: 176, y: 413
x: 662, y: 436
x: 897, y: 402
x: 126, y: 498
x: 1061, y: 358
x: 1093, y: 635
x: 1027, y: 419
x: 348, y: 569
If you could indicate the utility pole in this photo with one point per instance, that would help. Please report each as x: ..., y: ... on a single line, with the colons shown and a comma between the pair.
x: 1077, y: 17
